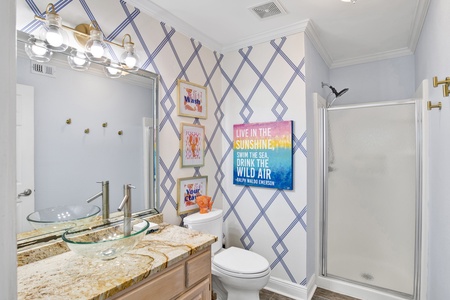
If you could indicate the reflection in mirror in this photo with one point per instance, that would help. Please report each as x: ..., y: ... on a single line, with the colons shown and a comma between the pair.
x: 88, y: 129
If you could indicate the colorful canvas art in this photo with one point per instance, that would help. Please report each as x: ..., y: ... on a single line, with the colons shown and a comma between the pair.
x: 262, y: 155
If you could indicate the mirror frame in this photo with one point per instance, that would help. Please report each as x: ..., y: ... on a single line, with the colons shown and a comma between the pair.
x: 60, y: 59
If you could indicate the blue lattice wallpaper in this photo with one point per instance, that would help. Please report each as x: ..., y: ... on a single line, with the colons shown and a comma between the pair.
x: 264, y: 82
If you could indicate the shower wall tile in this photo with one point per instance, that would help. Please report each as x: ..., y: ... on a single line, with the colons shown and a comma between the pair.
x: 264, y: 82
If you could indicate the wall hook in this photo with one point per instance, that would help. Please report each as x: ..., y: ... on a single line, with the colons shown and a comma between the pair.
x: 69, y: 121
x: 86, y: 130
x: 104, y: 125
x: 430, y: 106
x: 445, y: 83
x: 120, y: 132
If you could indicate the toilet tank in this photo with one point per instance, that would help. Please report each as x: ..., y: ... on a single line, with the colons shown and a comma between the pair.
x: 208, y: 223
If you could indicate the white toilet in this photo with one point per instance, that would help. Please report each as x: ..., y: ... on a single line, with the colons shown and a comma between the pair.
x: 238, y: 274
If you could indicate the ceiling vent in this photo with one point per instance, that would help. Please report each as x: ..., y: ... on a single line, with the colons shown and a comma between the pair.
x: 267, y: 10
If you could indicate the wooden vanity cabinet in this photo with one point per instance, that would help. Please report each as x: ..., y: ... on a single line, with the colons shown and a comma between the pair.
x: 189, y: 279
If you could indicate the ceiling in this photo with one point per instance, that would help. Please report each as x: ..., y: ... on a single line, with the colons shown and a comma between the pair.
x: 343, y: 33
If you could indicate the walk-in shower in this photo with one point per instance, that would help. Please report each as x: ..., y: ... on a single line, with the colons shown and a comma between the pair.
x: 371, y: 207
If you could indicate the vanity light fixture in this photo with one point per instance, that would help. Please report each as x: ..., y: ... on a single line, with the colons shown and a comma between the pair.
x: 53, y: 37
x: 129, y: 59
x: 78, y: 60
x: 37, y: 51
x: 113, y: 70
x: 95, y: 46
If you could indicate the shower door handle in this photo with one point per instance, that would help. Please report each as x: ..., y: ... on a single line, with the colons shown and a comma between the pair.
x: 25, y: 193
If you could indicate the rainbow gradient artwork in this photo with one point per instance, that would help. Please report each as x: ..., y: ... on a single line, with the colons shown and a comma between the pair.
x: 262, y: 155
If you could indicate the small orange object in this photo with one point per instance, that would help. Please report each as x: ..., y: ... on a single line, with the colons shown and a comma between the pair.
x: 205, y: 203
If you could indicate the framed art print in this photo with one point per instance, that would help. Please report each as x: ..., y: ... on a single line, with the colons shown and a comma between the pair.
x: 192, y: 145
x: 192, y: 100
x: 188, y: 190
x: 262, y: 155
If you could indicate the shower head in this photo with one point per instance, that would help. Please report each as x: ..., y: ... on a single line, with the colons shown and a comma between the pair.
x: 335, y: 92
x: 341, y: 92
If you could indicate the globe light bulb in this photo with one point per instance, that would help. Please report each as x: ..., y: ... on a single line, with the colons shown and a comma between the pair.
x: 38, y: 50
x: 130, y: 61
x: 54, y: 37
x: 97, y: 49
x: 52, y: 33
x: 78, y: 61
x: 113, y: 70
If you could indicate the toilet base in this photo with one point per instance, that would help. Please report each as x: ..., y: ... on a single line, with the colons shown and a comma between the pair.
x: 243, y: 295
x: 230, y: 288
x: 218, y: 289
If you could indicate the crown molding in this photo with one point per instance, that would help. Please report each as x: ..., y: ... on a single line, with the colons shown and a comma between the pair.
x: 306, y: 26
x: 162, y: 15
x: 371, y: 58
x: 314, y: 37
x: 417, y: 25
x: 267, y: 36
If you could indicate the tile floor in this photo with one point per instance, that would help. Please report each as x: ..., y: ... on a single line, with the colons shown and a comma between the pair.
x: 320, y: 294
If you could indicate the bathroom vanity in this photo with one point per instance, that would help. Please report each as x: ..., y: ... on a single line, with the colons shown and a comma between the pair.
x: 171, y: 263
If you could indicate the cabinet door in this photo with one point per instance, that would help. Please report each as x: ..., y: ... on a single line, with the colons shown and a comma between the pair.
x: 166, y: 286
x: 201, y: 291
x: 198, y: 268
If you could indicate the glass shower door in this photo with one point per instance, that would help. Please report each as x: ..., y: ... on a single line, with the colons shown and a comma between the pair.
x: 371, y: 195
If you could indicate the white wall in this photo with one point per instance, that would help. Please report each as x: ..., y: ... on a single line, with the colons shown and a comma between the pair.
x: 8, y: 277
x: 433, y: 59
x: 390, y: 79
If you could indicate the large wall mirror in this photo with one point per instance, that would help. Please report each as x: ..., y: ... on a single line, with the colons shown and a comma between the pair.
x: 88, y: 128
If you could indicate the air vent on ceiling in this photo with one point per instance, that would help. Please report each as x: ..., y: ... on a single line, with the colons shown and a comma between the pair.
x: 38, y: 68
x: 269, y: 9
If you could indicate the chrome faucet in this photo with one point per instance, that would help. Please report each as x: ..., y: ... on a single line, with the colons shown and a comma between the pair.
x: 125, y: 205
x: 105, y: 199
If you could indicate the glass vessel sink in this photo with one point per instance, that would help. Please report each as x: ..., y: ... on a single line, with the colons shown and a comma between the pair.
x: 106, y: 239
x: 62, y: 217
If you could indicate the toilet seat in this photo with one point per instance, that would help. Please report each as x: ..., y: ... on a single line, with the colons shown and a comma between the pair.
x: 240, y: 263
x: 217, y: 270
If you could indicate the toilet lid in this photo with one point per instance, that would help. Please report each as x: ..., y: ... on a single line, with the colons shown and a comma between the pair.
x: 242, y: 261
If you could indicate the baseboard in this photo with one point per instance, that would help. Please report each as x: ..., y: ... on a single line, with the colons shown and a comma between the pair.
x: 355, y: 290
x: 288, y: 289
x: 311, y: 287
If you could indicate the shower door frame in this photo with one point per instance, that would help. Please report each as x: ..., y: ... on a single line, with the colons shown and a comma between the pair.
x: 418, y: 108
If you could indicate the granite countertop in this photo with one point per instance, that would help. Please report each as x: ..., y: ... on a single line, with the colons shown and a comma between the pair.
x: 53, y: 244
x: 70, y: 276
